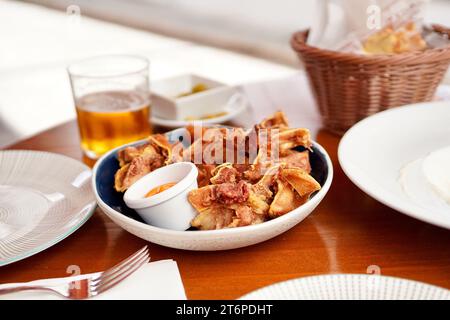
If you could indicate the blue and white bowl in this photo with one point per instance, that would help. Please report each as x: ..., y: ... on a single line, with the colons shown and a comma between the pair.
x: 112, y: 204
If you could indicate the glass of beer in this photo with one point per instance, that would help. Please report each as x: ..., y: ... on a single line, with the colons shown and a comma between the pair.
x: 112, y: 100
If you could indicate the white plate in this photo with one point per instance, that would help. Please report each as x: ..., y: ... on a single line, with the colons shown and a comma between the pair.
x: 349, y: 287
x: 233, y: 110
x: 373, y: 152
x: 44, y: 197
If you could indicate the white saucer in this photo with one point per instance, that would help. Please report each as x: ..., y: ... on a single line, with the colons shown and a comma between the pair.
x: 44, y: 197
x: 349, y: 287
x: 232, y: 111
x: 374, y: 152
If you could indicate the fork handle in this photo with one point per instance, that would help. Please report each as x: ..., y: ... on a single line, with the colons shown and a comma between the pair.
x: 25, y: 288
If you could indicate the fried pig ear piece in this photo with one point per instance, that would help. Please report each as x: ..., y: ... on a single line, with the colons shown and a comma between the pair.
x: 120, y: 178
x: 280, y: 143
x: 245, y: 216
x: 297, y: 159
x: 136, y: 162
x: 126, y: 155
x: 205, y: 172
x: 225, y: 173
x: 263, y: 186
x: 164, y: 147
x: 211, y: 138
x: 277, y: 120
x: 149, y: 160
x: 285, y: 200
x: 300, y: 180
x: 295, y: 186
x: 203, y: 198
x: 212, y: 218
x: 292, y: 138
x: 176, y: 153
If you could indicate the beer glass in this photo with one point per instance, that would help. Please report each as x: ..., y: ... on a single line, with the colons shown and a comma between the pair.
x: 112, y: 101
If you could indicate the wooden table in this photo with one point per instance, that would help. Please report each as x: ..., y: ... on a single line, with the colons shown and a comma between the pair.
x: 348, y: 233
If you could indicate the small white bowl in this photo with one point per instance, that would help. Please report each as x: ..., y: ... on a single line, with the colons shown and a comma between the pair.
x: 169, y: 209
x: 167, y: 105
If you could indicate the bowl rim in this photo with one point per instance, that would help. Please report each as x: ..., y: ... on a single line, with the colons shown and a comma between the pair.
x: 308, y: 206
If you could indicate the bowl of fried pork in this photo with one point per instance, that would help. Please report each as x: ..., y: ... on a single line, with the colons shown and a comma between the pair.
x: 252, y: 184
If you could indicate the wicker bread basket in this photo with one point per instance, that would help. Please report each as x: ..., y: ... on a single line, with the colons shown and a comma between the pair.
x: 349, y: 87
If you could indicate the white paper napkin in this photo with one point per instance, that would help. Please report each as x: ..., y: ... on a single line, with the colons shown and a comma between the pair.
x: 158, y: 280
x: 266, y: 98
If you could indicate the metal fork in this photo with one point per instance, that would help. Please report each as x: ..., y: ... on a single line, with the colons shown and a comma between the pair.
x: 93, y: 285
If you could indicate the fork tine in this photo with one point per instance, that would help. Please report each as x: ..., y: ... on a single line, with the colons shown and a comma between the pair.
x: 113, y: 270
x: 104, y: 281
x: 103, y: 286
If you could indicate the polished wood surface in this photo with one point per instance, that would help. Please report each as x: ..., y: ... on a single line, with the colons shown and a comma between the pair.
x: 348, y: 233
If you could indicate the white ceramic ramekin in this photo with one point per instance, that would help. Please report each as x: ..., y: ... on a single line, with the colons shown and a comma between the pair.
x: 166, y: 104
x: 169, y: 209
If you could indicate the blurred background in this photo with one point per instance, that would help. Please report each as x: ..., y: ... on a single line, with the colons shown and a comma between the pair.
x: 231, y: 41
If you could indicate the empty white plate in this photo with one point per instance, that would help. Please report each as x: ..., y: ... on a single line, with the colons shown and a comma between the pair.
x: 349, y: 287
x: 382, y: 156
x: 44, y: 197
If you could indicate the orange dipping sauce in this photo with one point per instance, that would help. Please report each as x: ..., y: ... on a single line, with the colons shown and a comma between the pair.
x: 160, y: 189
